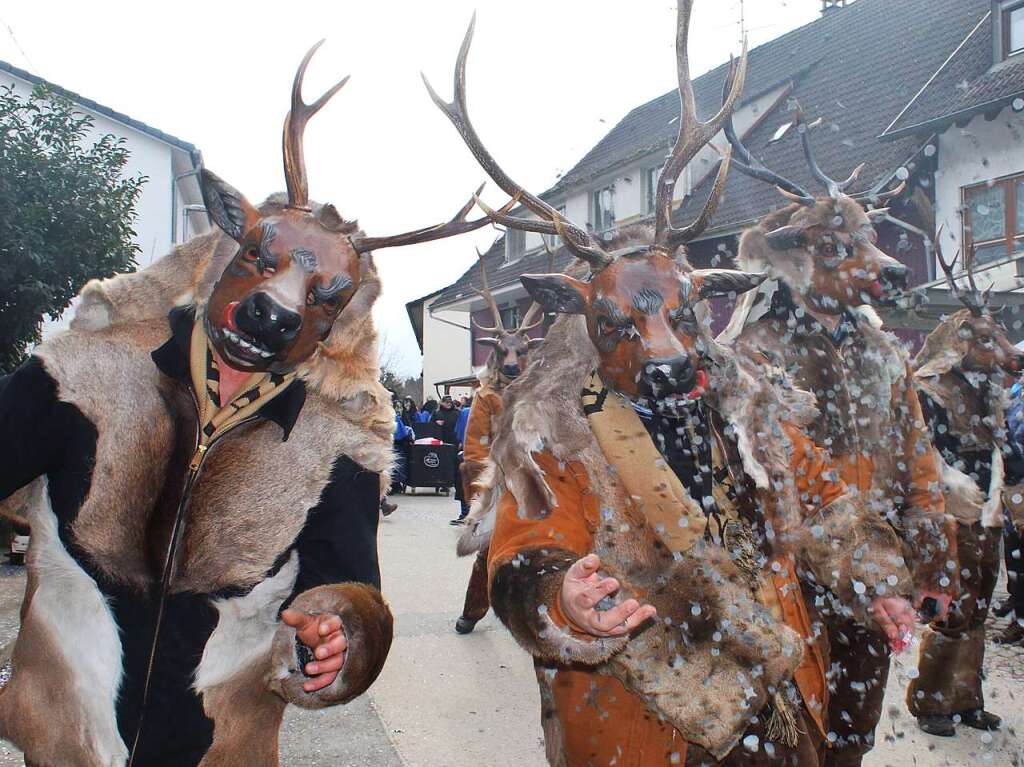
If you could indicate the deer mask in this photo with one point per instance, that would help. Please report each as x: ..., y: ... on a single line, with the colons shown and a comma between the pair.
x: 824, y: 247
x: 640, y: 301
x: 972, y: 340
x: 295, y: 269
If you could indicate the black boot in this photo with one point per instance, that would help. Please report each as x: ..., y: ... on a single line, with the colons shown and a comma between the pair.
x: 937, y: 724
x: 464, y: 625
x: 980, y: 719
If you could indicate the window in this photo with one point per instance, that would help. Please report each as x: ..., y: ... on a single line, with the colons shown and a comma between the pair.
x: 994, y: 218
x: 651, y: 188
x: 553, y: 241
x: 602, y: 204
x: 515, y: 244
x: 1013, y: 28
x: 509, y: 316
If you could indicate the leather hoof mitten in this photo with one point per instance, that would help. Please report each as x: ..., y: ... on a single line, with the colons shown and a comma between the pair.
x: 464, y: 625
x: 937, y: 724
x: 979, y: 719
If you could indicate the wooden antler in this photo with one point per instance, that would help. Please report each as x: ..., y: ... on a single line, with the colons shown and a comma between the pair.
x: 457, y: 225
x: 576, y: 239
x: 294, y: 127
x: 693, y: 136
x: 485, y: 291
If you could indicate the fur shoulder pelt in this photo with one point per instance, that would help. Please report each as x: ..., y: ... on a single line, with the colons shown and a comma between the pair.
x: 345, y: 367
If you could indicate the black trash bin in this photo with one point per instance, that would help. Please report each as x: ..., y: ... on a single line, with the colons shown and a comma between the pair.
x: 431, y: 466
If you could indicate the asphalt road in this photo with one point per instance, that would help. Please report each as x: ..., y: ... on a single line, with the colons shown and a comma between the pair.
x: 445, y: 700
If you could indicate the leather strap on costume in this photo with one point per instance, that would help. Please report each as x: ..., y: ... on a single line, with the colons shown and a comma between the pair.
x: 215, y: 420
x: 680, y: 522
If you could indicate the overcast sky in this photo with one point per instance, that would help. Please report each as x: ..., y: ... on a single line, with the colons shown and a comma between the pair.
x: 546, y: 80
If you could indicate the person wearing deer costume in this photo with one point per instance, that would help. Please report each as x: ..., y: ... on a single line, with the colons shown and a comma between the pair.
x: 213, y: 443
x: 649, y: 531
x: 509, y: 351
x: 814, y: 319
x: 962, y: 374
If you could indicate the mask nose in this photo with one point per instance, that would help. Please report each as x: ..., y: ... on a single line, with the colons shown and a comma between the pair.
x: 895, y: 275
x: 510, y: 370
x: 668, y: 376
x: 267, y: 321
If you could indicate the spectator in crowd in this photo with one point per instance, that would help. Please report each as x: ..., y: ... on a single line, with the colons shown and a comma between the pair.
x: 426, y: 414
x: 445, y: 418
x: 410, y: 410
x: 403, y: 437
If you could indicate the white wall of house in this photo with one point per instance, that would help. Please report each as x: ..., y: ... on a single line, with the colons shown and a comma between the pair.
x: 162, y: 219
x: 980, y: 151
x: 446, y: 352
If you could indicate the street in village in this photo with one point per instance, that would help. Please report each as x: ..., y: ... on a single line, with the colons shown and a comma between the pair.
x: 446, y: 700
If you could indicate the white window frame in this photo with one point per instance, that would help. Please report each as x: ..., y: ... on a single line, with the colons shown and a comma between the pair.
x: 515, y: 245
x: 597, y: 214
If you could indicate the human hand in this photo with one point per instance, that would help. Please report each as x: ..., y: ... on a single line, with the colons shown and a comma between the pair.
x: 583, y: 589
x: 896, y: 617
x: 324, y: 636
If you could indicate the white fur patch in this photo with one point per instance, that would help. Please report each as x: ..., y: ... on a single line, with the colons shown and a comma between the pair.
x: 67, y: 596
x: 992, y: 511
x: 245, y: 629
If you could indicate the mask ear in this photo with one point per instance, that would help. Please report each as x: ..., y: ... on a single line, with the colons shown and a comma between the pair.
x: 556, y: 292
x: 227, y: 206
x: 533, y: 343
x: 724, y: 282
x: 492, y: 342
x: 786, y: 238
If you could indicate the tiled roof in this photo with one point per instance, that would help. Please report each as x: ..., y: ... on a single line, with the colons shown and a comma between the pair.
x: 98, y: 108
x: 964, y: 84
x: 857, y: 68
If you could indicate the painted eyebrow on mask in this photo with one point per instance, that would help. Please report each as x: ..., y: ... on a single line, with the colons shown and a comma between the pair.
x: 304, y: 258
x: 331, y: 289
x: 648, y: 301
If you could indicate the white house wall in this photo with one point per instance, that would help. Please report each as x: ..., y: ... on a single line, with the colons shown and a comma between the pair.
x: 980, y: 151
x: 446, y: 352
x: 155, y: 209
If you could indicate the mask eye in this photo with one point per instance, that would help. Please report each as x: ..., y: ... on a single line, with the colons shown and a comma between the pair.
x: 608, y: 328
x: 252, y: 254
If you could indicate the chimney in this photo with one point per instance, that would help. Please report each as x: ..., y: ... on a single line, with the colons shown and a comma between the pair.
x: 828, y: 6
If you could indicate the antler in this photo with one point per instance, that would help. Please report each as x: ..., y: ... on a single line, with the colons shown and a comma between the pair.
x: 835, y: 188
x: 457, y: 225
x: 578, y: 240
x: 693, y: 136
x: 970, y: 300
x: 485, y: 291
x: 747, y: 164
x: 294, y: 127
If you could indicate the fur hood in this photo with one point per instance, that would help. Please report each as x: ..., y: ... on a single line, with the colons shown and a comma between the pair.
x: 345, y: 367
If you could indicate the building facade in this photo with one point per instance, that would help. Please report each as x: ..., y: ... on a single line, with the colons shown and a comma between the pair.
x: 170, y: 206
x: 929, y: 92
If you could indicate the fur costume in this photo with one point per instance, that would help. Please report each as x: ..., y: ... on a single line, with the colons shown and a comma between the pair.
x: 966, y: 414
x: 716, y: 654
x: 284, y: 513
x: 873, y: 429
